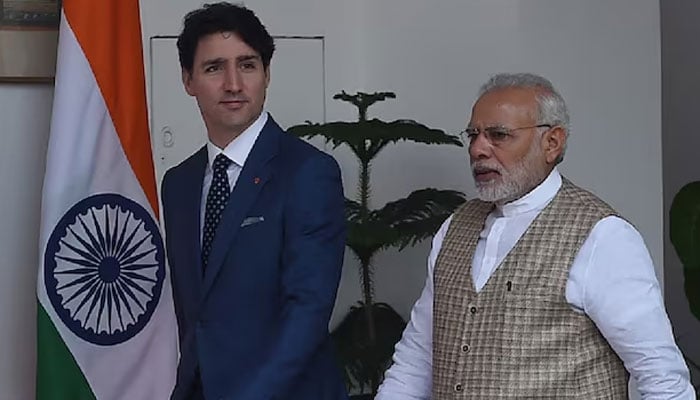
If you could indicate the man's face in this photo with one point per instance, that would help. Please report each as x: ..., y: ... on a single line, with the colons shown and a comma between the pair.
x: 229, y: 82
x: 507, y: 169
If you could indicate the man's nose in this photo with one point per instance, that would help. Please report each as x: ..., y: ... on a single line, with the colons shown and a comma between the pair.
x: 479, y: 147
x: 232, y: 80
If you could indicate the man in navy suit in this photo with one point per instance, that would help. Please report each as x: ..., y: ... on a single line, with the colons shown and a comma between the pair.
x: 255, y: 230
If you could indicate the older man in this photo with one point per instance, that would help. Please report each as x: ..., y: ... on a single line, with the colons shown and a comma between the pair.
x: 538, y: 289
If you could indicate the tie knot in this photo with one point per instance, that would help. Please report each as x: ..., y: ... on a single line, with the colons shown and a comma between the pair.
x: 221, y: 162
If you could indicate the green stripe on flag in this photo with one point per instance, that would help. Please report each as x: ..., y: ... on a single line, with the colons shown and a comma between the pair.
x: 58, y: 376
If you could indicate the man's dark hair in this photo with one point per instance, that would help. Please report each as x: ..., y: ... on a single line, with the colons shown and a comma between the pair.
x: 223, y: 17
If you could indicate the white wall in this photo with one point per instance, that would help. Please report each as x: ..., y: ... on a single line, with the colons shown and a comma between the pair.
x: 24, y: 125
x: 681, y: 85
x: 603, y: 55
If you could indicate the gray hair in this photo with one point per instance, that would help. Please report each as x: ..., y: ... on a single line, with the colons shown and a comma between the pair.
x: 551, y: 107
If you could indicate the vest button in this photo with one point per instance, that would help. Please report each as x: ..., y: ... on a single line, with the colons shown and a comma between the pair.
x: 458, y: 387
x: 465, y: 348
x: 472, y: 309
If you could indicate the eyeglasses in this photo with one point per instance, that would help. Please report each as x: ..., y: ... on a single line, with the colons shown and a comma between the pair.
x: 496, y: 135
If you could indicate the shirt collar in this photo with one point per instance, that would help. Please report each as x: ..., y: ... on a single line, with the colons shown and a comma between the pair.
x: 536, y: 199
x: 240, y: 147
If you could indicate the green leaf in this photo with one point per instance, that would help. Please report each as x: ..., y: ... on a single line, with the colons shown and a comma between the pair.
x: 399, y: 223
x: 685, y: 236
x: 367, y: 138
x: 375, y: 130
x: 364, y: 100
x: 353, y: 209
x: 367, y: 237
x: 361, y: 361
x: 692, y: 289
x: 419, y: 215
x: 685, y: 225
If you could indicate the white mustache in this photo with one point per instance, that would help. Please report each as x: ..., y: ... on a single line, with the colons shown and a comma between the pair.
x: 478, y: 168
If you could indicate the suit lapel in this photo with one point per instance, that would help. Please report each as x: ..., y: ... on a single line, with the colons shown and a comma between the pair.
x: 256, y: 172
x: 192, y: 204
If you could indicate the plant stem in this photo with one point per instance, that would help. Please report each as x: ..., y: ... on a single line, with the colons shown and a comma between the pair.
x: 362, y: 111
x: 367, y: 289
x: 369, y: 303
x: 364, y: 191
x: 366, y: 260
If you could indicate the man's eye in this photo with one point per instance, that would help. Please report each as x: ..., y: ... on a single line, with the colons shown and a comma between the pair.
x: 212, y: 68
x: 471, y: 134
x: 248, y: 66
x: 498, y: 135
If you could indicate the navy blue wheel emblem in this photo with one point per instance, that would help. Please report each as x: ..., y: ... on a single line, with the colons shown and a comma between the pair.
x: 104, y: 268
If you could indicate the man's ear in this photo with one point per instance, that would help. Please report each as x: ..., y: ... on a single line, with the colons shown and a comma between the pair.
x: 187, y: 81
x: 554, y: 143
x: 267, y: 77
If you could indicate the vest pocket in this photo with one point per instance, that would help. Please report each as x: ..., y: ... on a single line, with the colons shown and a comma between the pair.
x: 537, y: 330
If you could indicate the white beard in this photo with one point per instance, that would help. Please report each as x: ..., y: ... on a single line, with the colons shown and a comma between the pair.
x: 511, y: 184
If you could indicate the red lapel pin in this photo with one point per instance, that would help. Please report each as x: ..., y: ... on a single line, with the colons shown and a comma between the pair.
x: 256, y: 180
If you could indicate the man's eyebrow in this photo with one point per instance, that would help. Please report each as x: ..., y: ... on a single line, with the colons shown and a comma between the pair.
x: 213, y: 61
x: 248, y: 57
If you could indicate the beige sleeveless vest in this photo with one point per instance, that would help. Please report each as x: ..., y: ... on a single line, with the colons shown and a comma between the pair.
x: 518, y: 337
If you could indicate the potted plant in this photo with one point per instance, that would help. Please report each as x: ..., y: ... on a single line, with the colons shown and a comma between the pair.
x: 684, y: 229
x: 366, y: 337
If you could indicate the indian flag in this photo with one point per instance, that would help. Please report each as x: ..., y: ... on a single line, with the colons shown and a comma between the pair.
x: 106, y: 323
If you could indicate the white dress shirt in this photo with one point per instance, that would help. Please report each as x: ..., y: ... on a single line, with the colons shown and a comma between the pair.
x: 611, y: 280
x: 237, y: 151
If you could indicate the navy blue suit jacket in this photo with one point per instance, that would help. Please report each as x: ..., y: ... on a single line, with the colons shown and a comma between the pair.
x: 256, y: 323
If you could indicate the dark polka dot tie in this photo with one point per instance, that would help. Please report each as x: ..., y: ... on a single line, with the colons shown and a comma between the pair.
x: 216, y: 201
